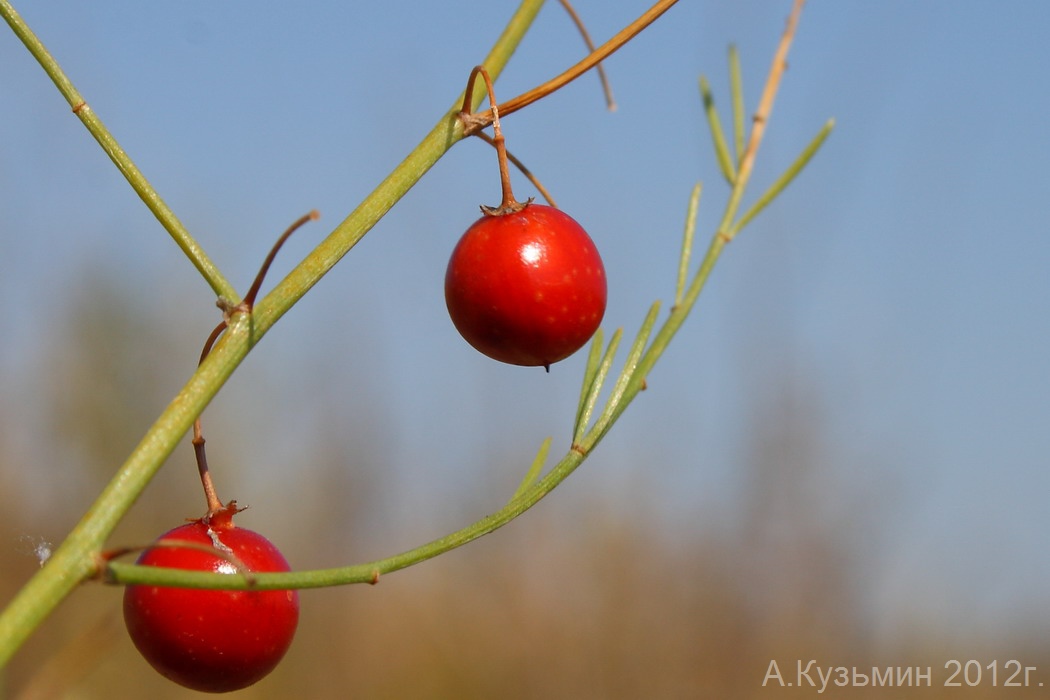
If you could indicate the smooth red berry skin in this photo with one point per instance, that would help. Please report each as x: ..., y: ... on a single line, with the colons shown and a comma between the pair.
x: 207, y: 640
x: 526, y: 288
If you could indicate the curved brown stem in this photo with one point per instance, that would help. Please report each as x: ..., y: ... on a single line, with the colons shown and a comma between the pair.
x: 210, y: 495
x: 508, y: 203
x: 610, y: 103
x: 253, y: 292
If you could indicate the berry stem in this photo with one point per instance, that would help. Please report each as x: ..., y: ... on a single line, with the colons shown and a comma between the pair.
x: 521, y: 168
x: 214, y: 502
x: 508, y: 203
x: 210, y: 495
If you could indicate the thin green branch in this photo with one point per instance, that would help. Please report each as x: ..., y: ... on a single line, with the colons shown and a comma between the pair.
x: 369, y: 572
x: 120, y: 158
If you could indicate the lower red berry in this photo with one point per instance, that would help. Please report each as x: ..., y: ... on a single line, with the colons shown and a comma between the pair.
x: 209, y: 640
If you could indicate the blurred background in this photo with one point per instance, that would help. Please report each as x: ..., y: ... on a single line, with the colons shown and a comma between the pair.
x: 842, y: 456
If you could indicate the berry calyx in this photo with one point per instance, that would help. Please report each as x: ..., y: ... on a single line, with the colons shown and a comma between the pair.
x: 212, y: 640
x: 526, y: 287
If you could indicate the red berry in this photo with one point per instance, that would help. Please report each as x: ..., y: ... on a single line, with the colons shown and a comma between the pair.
x: 526, y: 287
x: 207, y: 640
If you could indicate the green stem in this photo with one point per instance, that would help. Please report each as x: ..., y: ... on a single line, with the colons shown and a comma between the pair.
x: 74, y: 561
x: 127, y: 167
x: 357, y: 573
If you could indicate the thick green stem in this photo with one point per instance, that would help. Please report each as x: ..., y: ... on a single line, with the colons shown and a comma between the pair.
x: 75, y: 560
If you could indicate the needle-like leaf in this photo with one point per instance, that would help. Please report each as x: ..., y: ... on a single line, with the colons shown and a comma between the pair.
x: 687, y: 244
x: 785, y: 179
x: 736, y: 89
x: 725, y: 161
x: 593, y: 386
x: 535, y: 469
x: 604, y: 422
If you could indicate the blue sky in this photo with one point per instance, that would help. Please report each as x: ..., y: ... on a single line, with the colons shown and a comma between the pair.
x: 902, y: 280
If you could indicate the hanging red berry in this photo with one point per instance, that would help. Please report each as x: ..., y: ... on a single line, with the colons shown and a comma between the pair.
x: 210, y: 640
x: 526, y: 287
x: 525, y: 284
